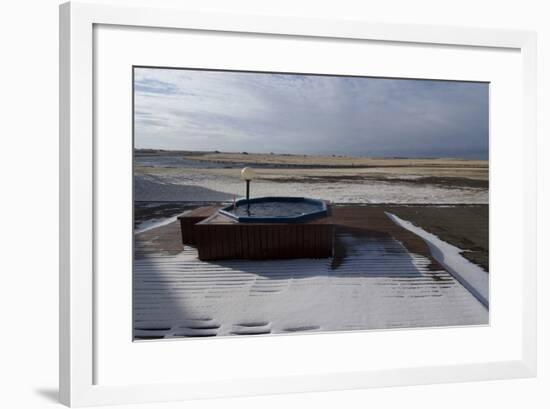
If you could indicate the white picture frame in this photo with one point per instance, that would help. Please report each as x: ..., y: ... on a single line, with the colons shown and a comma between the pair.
x: 78, y: 386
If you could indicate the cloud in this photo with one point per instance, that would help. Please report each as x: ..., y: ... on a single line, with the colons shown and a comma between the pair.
x: 261, y: 112
x: 152, y: 86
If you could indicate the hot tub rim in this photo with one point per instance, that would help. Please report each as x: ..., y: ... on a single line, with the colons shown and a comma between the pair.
x: 226, y: 211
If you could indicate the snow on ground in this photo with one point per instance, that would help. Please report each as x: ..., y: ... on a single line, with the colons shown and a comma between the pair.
x: 473, y: 277
x: 153, y: 224
x: 378, y: 285
x: 196, y: 186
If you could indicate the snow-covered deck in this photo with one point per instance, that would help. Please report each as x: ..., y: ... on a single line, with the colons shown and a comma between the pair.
x: 378, y: 282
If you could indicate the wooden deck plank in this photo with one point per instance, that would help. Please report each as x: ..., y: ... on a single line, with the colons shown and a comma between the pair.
x: 190, y: 218
x: 304, y: 238
x: 366, y: 221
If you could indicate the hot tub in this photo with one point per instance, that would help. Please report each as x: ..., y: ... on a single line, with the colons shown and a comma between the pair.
x: 276, y: 210
x: 273, y: 228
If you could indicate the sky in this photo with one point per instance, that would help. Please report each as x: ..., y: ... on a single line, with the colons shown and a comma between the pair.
x: 182, y: 109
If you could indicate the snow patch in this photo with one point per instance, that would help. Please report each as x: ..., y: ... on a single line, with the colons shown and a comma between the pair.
x: 191, y: 186
x: 153, y: 224
x: 470, y: 275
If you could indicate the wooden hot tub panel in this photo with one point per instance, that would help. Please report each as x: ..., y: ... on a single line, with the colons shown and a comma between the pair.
x: 220, y: 237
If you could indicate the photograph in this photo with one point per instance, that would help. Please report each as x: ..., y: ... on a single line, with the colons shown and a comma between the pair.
x: 273, y: 203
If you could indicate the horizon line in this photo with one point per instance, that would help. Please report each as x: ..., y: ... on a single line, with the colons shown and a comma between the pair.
x: 375, y: 156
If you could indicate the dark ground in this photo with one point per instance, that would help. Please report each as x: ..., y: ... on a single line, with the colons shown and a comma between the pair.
x: 456, y: 182
x: 466, y: 227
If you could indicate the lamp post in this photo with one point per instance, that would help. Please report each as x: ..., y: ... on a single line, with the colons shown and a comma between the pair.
x: 248, y: 174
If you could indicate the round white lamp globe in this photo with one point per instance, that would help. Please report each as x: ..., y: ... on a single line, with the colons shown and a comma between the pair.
x: 248, y: 174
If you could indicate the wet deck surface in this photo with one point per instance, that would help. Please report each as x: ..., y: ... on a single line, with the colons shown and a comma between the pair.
x: 382, y: 276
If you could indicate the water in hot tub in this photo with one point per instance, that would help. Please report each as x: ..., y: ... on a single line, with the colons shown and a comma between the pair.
x: 276, y: 209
